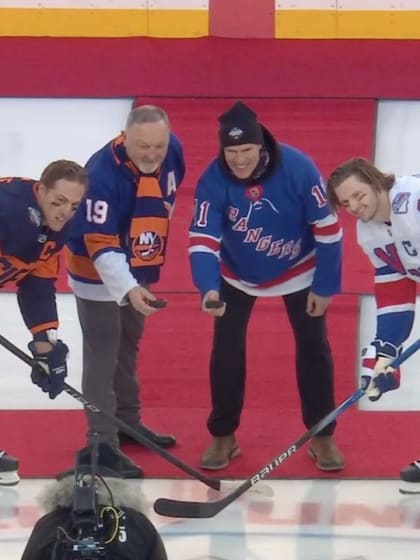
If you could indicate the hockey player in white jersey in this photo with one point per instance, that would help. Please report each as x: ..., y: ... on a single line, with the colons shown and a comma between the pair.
x: 8, y: 470
x: 387, y: 209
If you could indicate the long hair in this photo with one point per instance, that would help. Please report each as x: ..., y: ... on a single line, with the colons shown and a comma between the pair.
x: 363, y: 170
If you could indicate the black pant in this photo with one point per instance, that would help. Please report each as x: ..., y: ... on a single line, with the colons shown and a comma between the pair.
x: 314, y: 365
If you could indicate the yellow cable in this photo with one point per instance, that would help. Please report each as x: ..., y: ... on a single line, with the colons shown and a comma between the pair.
x: 116, y: 528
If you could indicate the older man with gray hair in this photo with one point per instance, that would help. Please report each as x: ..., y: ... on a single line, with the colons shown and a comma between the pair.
x: 115, y: 254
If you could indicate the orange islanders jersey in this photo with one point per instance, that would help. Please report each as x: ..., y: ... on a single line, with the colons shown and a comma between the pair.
x: 119, y: 234
x: 29, y: 253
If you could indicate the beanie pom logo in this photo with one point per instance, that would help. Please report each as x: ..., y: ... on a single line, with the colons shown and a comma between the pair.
x: 236, y: 133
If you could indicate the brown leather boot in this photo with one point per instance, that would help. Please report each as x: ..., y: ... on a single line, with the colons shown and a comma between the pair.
x: 219, y: 453
x: 326, y: 454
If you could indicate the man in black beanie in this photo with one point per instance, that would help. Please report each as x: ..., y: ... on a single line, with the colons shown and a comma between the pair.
x: 262, y: 228
x: 240, y: 126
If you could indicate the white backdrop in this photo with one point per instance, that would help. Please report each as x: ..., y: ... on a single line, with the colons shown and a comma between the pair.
x: 398, y: 137
x: 18, y: 392
x: 35, y: 132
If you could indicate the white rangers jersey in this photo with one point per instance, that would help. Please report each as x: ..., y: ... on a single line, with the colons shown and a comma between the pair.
x: 394, y: 250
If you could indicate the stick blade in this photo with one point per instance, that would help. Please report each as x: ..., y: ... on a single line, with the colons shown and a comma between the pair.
x: 406, y: 492
x: 189, y: 510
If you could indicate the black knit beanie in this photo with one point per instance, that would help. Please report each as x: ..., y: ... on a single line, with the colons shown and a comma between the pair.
x: 238, y: 126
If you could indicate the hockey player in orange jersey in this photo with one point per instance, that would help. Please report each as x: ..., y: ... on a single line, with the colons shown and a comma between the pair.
x: 34, y: 217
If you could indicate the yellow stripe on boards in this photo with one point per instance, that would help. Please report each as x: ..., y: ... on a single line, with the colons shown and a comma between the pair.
x: 305, y: 24
x: 374, y: 24
x: 178, y: 23
x: 347, y: 24
x: 52, y: 22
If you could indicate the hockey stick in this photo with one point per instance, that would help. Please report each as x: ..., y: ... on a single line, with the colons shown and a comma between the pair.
x: 135, y: 434
x: 405, y: 492
x: 178, y: 508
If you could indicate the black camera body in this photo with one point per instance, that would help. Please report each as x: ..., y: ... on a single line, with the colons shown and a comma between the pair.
x: 85, y: 540
x: 87, y: 548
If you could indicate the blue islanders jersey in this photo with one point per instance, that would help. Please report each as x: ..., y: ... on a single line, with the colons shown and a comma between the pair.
x: 29, y: 253
x: 271, y: 238
x: 125, y: 214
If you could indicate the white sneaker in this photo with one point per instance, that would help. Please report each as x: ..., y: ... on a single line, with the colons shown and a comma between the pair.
x: 8, y: 470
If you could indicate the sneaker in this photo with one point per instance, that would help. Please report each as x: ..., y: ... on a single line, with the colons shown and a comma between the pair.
x: 411, y: 473
x: 220, y: 452
x: 410, y: 478
x: 8, y: 470
x: 326, y: 454
x: 163, y: 440
x: 111, y: 462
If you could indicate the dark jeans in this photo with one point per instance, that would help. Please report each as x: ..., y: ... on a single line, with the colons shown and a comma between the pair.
x: 314, y: 365
x: 111, y: 337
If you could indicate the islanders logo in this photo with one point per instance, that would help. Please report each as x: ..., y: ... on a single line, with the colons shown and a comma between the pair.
x: 147, y: 246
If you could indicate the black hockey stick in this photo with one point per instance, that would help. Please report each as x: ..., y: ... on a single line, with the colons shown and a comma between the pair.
x: 178, y: 508
x: 135, y: 434
x: 406, y: 492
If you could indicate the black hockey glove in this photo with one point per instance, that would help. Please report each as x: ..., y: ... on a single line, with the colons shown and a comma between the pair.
x: 51, y: 372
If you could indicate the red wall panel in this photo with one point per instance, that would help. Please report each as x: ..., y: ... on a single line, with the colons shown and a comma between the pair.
x: 242, y: 18
x: 208, y: 67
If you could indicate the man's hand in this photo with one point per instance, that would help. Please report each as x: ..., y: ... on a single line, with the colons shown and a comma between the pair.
x: 51, y: 370
x: 140, y: 299
x: 317, y: 305
x: 212, y: 305
x: 377, y: 375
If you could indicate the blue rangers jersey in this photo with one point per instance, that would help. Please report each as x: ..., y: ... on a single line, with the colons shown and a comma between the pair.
x: 29, y: 254
x: 273, y: 237
x: 394, y: 250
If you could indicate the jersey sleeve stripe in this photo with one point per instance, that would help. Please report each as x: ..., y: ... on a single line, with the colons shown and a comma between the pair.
x: 80, y: 267
x: 44, y: 327
x: 321, y: 238
x: 212, y: 243
x: 97, y: 243
x: 203, y: 249
x: 331, y: 229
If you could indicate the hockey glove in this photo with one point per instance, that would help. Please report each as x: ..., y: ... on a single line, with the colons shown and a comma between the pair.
x: 51, y: 371
x: 377, y: 377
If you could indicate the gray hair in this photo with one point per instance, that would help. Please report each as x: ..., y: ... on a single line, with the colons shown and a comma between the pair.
x: 124, y: 494
x: 147, y: 114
